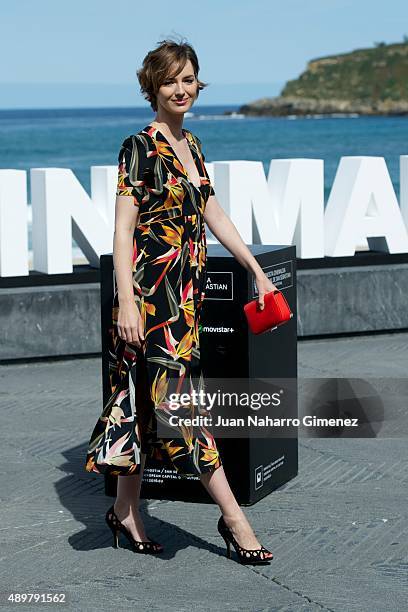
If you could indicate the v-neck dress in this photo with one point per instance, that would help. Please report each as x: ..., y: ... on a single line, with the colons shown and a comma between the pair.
x: 169, y: 278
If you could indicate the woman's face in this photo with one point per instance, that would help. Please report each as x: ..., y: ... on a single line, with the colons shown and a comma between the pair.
x: 177, y: 94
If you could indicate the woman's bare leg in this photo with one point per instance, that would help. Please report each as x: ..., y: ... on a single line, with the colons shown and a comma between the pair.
x: 127, y: 502
x: 218, y: 487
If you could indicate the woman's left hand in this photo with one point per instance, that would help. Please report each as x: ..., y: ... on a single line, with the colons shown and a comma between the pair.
x: 264, y: 286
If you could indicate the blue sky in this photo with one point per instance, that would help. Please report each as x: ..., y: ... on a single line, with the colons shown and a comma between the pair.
x: 77, y: 53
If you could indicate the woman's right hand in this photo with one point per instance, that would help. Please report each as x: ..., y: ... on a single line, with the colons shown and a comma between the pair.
x: 130, y: 323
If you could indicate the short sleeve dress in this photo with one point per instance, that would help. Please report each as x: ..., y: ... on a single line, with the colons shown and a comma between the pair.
x: 169, y: 278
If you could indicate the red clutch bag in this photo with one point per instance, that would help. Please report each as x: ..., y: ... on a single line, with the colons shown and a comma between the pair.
x: 276, y: 311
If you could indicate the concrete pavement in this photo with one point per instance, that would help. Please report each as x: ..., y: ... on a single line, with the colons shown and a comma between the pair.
x: 338, y: 530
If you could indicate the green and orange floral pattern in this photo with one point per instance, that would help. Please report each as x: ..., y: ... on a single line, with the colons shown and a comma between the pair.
x: 169, y: 276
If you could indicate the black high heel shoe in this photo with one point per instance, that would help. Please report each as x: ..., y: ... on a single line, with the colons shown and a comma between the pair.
x: 148, y: 547
x: 245, y: 555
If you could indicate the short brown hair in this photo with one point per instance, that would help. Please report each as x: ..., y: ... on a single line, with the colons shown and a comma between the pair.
x: 167, y: 60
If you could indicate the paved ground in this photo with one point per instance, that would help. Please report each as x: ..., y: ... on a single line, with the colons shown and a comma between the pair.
x: 338, y: 530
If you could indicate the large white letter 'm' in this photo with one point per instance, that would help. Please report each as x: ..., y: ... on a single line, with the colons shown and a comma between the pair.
x: 285, y: 209
x: 297, y: 190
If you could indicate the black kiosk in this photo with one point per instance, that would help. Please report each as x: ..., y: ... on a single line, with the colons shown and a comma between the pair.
x: 254, y: 466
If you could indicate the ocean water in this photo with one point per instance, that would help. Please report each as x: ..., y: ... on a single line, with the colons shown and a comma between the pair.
x: 80, y: 138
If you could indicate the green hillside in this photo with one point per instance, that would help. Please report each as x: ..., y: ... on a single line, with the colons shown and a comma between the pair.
x: 365, y: 81
x: 379, y: 73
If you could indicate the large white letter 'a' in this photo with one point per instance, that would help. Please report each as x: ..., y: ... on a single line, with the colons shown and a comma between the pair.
x: 362, y: 204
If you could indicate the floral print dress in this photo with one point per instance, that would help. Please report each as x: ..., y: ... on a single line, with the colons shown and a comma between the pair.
x: 169, y: 276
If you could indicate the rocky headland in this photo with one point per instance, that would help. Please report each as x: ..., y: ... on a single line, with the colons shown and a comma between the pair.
x: 370, y: 81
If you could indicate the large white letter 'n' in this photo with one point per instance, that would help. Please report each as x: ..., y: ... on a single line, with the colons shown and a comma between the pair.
x: 62, y: 210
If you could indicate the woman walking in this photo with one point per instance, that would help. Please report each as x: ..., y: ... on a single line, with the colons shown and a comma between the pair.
x: 164, y: 195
